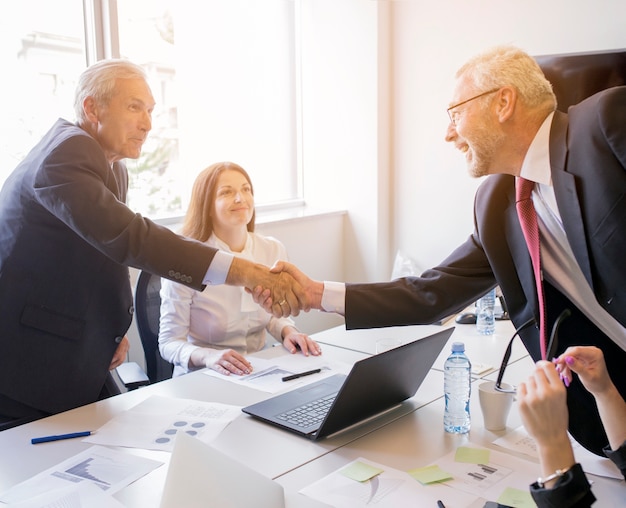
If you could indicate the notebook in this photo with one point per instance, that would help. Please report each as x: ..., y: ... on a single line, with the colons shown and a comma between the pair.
x: 373, y: 386
x: 201, y: 476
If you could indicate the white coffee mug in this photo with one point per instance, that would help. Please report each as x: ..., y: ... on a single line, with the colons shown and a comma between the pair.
x: 495, y: 405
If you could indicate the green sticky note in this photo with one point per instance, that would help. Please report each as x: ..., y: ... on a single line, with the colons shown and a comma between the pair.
x: 430, y: 474
x: 472, y: 455
x: 360, y: 472
x: 516, y: 498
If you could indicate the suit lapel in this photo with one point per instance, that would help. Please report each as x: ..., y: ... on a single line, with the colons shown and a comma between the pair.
x: 119, y: 183
x: 566, y: 195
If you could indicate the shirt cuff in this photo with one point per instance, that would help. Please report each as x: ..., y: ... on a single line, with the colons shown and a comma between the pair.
x: 218, y: 269
x: 618, y: 457
x: 334, y: 297
x: 572, y: 490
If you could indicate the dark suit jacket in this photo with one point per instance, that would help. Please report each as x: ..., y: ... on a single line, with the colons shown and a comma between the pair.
x: 588, y: 160
x: 66, y: 241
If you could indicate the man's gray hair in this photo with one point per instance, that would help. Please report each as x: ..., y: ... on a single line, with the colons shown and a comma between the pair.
x: 510, y: 66
x: 98, y: 81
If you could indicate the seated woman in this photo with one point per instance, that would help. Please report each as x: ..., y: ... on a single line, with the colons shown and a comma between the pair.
x: 216, y: 327
x: 543, y: 407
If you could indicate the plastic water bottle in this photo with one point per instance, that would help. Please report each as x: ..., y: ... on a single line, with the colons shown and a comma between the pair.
x: 457, y: 389
x: 485, y: 322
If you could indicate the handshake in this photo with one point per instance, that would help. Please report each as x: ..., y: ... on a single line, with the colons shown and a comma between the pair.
x: 282, y: 290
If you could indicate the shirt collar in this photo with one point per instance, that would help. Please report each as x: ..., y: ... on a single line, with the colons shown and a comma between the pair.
x: 536, y: 165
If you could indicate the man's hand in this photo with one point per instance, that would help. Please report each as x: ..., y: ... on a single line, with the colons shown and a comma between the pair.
x: 286, y: 296
x: 119, y: 356
x: 312, y: 289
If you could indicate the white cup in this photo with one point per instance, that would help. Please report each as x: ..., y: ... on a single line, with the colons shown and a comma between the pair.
x: 383, y: 345
x: 495, y: 405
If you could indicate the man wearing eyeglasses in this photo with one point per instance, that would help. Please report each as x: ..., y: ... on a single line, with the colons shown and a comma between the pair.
x: 503, y: 119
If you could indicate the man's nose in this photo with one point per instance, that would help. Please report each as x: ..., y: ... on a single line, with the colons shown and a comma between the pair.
x: 146, y: 121
x: 451, y: 132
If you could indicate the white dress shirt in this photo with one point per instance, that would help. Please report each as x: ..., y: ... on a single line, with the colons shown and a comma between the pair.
x: 220, y: 317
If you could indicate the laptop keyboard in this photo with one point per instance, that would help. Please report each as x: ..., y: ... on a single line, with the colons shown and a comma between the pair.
x: 311, y: 413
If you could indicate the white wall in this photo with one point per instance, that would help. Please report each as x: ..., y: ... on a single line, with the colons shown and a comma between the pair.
x: 345, y: 90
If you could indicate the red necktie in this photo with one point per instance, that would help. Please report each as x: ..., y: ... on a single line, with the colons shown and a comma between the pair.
x: 528, y: 221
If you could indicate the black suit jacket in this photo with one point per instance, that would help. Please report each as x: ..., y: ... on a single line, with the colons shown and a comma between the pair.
x: 66, y: 241
x: 588, y: 161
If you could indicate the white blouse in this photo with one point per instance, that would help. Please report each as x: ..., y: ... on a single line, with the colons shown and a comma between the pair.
x: 220, y: 317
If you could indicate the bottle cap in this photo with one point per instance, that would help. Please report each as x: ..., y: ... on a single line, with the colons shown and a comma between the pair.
x: 458, y: 347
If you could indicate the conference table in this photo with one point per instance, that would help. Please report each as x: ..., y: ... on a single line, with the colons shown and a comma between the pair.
x: 408, y: 436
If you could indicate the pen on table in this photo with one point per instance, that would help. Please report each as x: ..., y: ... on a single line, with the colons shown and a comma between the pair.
x: 440, y: 505
x: 301, y: 374
x: 47, y: 439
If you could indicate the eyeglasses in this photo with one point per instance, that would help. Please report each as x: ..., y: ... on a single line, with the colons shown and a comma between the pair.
x: 455, y: 114
x: 553, y: 345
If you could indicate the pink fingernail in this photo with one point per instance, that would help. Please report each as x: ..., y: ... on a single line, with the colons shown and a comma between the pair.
x: 569, y: 360
x: 566, y: 381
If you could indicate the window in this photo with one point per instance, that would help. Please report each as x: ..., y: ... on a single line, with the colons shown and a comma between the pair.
x: 42, y: 55
x: 222, y: 73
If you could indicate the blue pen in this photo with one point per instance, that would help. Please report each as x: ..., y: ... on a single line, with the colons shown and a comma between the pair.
x: 47, y: 439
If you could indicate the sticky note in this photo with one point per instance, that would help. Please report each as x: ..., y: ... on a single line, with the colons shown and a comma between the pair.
x: 430, y: 474
x: 360, y: 472
x: 471, y: 455
x: 516, y: 498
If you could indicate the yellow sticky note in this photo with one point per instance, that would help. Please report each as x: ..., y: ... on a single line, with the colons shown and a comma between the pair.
x: 516, y: 498
x: 472, y: 455
x: 360, y: 472
x: 430, y: 474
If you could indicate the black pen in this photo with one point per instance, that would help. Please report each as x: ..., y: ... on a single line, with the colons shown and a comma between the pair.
x: 301, y: 374
x: 440, y: 505
x: 47, y: 439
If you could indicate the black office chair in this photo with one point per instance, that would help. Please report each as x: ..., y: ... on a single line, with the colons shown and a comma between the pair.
x: 147, y: 314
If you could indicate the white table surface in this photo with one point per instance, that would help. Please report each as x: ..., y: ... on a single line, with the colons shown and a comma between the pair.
x: 485, y: 349
x: 407, y: 437
x: 418, y: 439
x: 265, y: 448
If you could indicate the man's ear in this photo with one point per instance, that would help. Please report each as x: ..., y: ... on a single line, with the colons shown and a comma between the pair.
x: 505, y: 103
x: 91, y: 109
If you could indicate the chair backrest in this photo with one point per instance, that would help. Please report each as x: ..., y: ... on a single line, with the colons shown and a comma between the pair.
x: 147, y: 314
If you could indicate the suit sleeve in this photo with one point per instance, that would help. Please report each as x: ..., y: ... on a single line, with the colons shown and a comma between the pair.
x: 86, y: 195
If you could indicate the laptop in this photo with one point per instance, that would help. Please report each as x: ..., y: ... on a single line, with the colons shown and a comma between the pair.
x: 374, y: 385
x: 201, y: 476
